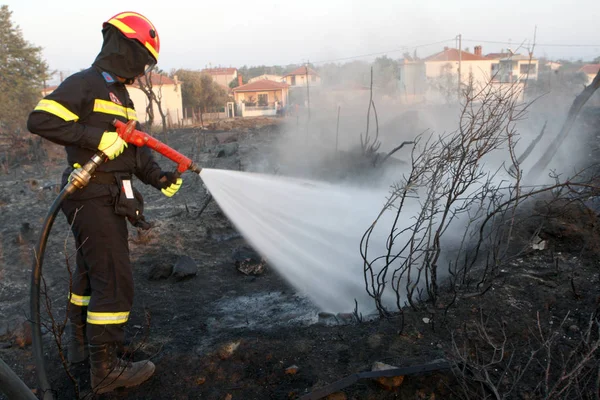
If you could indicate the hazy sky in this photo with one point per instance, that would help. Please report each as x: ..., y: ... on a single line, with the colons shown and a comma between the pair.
x: 195, y: 34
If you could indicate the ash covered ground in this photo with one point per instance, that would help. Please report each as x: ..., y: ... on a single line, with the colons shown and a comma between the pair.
x: 215, y: 332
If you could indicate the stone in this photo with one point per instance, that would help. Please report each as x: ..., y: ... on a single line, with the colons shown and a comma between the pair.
x: 292, y: 370
x: 227, y: 350
x: 160, y: 272
x: 185, y: 267
x: 200, y: 380
x: 227, y: 149
x: 22, y: 334
x: 387, y: 382
x: 573, y: 328
x: 248, y: 261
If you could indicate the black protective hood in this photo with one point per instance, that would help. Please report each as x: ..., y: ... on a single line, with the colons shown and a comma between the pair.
x: 121, y: 56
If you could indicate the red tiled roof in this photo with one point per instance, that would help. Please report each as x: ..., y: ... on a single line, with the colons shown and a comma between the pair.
x: 302, y: 71
x: 590, y: 69
x: 220, y: 71
x: 497, y: 56
x: 261, y: 85
x: 453, y: 55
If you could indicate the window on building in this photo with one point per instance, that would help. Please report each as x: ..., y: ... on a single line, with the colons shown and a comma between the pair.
x: 263, y: 100
x: 313, y: 78
x: 527, y: 69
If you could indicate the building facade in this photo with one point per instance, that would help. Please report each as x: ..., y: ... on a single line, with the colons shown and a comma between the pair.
x: 222, y: 76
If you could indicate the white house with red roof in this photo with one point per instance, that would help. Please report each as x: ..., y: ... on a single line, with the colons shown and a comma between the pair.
x: 222, y: 76
x: 437, y: 76
x: 472, y: 65
x: 264, y: 97
x: 590, y: 70
x: 299, y: 77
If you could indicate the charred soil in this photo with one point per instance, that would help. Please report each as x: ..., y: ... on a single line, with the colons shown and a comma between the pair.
x: 217, y: 333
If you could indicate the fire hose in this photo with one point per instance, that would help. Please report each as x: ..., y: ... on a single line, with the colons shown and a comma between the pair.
x: 80, y: 178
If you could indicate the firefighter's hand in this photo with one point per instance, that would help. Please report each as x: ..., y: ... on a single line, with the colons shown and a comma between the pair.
x: 75, y: 166
x: 170, y: 183
x: 112, y: 145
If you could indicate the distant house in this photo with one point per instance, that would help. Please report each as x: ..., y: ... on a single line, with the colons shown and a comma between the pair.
x: 590, y: 70
x: 472, y: 65
x: 513, y: 67
x: 437, y: 76
x: 222, y: 76
x: 269, y: 77
x: 167, y: 90
x: 262, y: 97
x: 553, y: 65
x: 299, y: 76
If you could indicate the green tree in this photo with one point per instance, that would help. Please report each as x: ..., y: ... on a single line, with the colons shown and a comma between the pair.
x: 22, y: 76
x: 258, y: 70
x: 385, y: 73
x: 200, y: 92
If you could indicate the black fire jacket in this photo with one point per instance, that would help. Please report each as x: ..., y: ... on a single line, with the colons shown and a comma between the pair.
x: 76, y: 115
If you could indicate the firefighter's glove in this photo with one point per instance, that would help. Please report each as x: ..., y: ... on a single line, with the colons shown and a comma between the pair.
x: 170, y: 183
x: 112, y: 145
x: 75, y: 166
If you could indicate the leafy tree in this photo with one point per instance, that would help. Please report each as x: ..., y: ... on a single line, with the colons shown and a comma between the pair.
x: 200, y: 92
x: 254, y: 71
x: 385, y: 73
x: 235, y: 83
x: 22, y: 75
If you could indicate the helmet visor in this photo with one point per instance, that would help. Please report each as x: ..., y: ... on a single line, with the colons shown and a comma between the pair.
x: 150, y: 64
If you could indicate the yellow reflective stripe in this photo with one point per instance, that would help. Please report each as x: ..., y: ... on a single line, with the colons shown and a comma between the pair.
x: 121, y: 26
x: 152, y: 50
x: 79, y: 300
x: 108, y: 107
x: 133, y: 14
x: 106, y: 318
x: 54, y: 108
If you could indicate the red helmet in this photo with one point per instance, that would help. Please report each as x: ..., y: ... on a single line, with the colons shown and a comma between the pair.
x: 135, y: 26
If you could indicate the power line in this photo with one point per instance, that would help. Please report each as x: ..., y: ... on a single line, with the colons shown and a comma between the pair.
x: 402, y: 48
x: 537, y: 44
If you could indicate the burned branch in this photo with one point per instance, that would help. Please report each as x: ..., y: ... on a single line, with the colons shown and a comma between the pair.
x: 577, y: 105
x: 445, y: 183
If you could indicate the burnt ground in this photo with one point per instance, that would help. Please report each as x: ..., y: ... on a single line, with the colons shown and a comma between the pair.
x: 222, y: 334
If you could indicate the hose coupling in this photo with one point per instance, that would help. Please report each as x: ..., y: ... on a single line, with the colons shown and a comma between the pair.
x: 80, y: 177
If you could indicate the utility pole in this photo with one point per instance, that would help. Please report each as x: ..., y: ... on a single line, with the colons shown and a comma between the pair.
x: 307, y: 98
x: 459, y: 63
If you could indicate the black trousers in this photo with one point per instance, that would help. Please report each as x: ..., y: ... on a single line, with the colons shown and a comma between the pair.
x: 101, y: 294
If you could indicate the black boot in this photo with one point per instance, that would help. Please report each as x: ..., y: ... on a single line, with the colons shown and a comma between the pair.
x: 77, y: 347
x: 108, y: 372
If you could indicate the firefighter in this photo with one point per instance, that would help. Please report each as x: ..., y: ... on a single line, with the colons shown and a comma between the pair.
x: 78, y: 115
